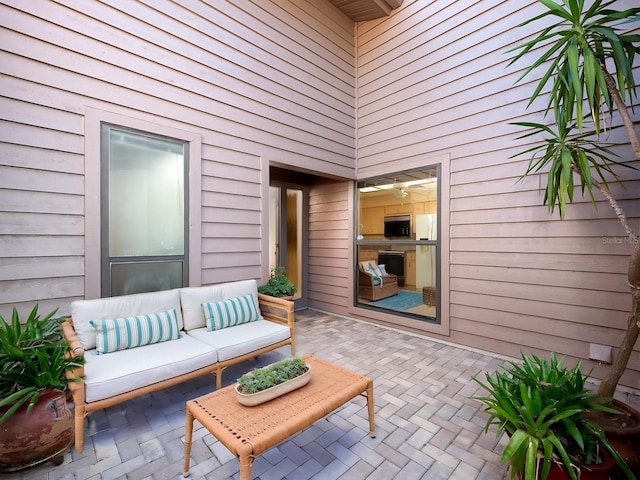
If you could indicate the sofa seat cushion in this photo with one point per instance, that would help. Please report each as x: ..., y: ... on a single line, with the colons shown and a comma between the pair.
x: 247, y: 337
x: 126, y: 370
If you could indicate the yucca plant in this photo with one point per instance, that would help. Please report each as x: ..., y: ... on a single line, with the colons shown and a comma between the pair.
x: 579, y: 45
x: 33, y: 357
x: 539, y: 404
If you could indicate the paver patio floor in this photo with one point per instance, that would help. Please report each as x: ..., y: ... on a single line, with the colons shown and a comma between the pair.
x: 427, y: 425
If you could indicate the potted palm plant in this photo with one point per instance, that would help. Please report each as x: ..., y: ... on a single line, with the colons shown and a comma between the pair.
x: 589, y: 63
x: 35, y: 369
x: 539, y: 404
x: 278, y: 284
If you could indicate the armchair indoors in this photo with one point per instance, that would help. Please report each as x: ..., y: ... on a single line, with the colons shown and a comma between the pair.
x: 374, y: 283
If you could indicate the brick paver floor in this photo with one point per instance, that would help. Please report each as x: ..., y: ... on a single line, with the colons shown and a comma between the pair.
x: 427, y: 425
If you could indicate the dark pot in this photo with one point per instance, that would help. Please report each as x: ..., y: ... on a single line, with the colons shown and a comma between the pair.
x: 600, y: 471
x: 623, y: 432
x: 44, y: 433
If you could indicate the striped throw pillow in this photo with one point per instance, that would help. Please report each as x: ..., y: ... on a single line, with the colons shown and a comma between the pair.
x: 230, y: 312
x: 130, y: 332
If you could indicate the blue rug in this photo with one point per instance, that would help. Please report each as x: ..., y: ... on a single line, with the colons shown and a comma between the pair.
x: 404, y: 300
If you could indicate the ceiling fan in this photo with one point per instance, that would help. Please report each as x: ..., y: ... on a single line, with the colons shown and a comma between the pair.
x: 400, y: 190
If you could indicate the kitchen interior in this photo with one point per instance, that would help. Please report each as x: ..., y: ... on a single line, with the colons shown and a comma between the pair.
x: 398, y: 227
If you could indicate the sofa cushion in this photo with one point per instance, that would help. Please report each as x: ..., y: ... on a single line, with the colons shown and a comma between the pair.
x: 241, y: 339
x: 127, y: 370
x: 83, y: 311
x: 230, y: 312
x: 115, y: 334
x: 371, y: 267
x: 192, y: 299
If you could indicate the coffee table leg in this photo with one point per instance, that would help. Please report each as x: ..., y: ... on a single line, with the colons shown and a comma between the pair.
x: 187, y: 442
x: 245, y: 459
x: 372, y: 422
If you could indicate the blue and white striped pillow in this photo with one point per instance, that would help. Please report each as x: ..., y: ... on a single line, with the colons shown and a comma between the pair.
x: 129, y: 332
x: 230, y: 312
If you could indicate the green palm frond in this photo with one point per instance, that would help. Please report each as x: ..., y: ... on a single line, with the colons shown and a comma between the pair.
x: 583, y: 42
x: 564, y: 154
x: 576, y: 48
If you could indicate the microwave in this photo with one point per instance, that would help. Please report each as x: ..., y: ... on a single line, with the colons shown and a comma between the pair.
x: 397, y: 226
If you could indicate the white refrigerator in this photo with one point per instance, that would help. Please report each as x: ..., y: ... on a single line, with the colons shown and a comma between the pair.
x: 426, y: 229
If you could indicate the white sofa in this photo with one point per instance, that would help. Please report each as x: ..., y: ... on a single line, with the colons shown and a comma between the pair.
x: 111, y: 377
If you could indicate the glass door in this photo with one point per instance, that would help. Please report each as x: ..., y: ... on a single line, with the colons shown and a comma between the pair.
x: 286, y: 233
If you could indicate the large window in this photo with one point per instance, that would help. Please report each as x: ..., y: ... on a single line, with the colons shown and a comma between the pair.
x: 397, y: 244
x: 144, y: 200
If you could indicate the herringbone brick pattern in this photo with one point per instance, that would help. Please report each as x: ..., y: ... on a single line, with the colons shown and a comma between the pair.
x: 427, y: 425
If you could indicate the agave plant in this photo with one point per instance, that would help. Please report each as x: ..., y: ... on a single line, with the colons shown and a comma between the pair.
x: 579, y: 45
x: 33, y: 357
x: 539, y: 404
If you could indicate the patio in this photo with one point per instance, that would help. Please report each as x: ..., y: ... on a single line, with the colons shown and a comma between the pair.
x: 427, y: 425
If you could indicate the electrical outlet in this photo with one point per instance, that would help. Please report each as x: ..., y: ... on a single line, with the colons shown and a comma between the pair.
x: 600, y: 353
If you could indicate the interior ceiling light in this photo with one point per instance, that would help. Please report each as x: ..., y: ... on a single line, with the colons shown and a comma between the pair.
x: 404, y: 186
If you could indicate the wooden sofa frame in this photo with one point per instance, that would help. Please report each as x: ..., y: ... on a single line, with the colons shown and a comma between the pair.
x: 274, y: 309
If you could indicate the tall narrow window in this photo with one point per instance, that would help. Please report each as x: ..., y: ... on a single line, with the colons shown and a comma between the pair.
x: 144, y: 226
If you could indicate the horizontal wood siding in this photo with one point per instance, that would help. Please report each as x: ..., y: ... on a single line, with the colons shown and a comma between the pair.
x: 328, y: 261
x: 433, y: 79
x: 260, y: 82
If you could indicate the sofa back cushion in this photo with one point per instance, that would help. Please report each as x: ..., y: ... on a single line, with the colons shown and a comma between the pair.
x: 230, y: 312
x: 192, y: 299
x: 83, y: 311
x: 115, y: 334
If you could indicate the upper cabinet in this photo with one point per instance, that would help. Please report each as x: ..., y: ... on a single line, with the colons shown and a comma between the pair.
x: 398, y: 209
x: 372, y: 221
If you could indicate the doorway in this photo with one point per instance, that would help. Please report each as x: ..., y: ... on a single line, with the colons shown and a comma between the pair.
x: 286, y: 206
x: 288, y: 227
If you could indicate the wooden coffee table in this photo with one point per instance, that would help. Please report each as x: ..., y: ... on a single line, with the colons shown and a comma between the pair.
x: 249, y: 431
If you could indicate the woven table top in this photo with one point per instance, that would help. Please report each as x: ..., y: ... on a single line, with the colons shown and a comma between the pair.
x: 263, y: 426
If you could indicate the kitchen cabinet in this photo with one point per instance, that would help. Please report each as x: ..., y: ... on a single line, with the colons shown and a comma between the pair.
x: 410, y: 268
x: 372, y: 220
x: 366, y: 254
x: 398, y: 209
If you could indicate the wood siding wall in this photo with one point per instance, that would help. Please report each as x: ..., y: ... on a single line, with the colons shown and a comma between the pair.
x: 432, y: 80
x: 261, y: 82
x: 329, y: 261
x: 276, y: 82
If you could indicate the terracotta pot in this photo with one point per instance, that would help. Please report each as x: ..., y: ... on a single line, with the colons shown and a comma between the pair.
x: 600, y: 471
x: 623, y: 432
x: 44, y: 433
x: 253, y: 399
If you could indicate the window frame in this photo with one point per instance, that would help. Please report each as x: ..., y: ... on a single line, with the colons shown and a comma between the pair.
x: 384, y: 318
x: 108, y: 261
x: 94, y: 118
x: 400, y: 244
